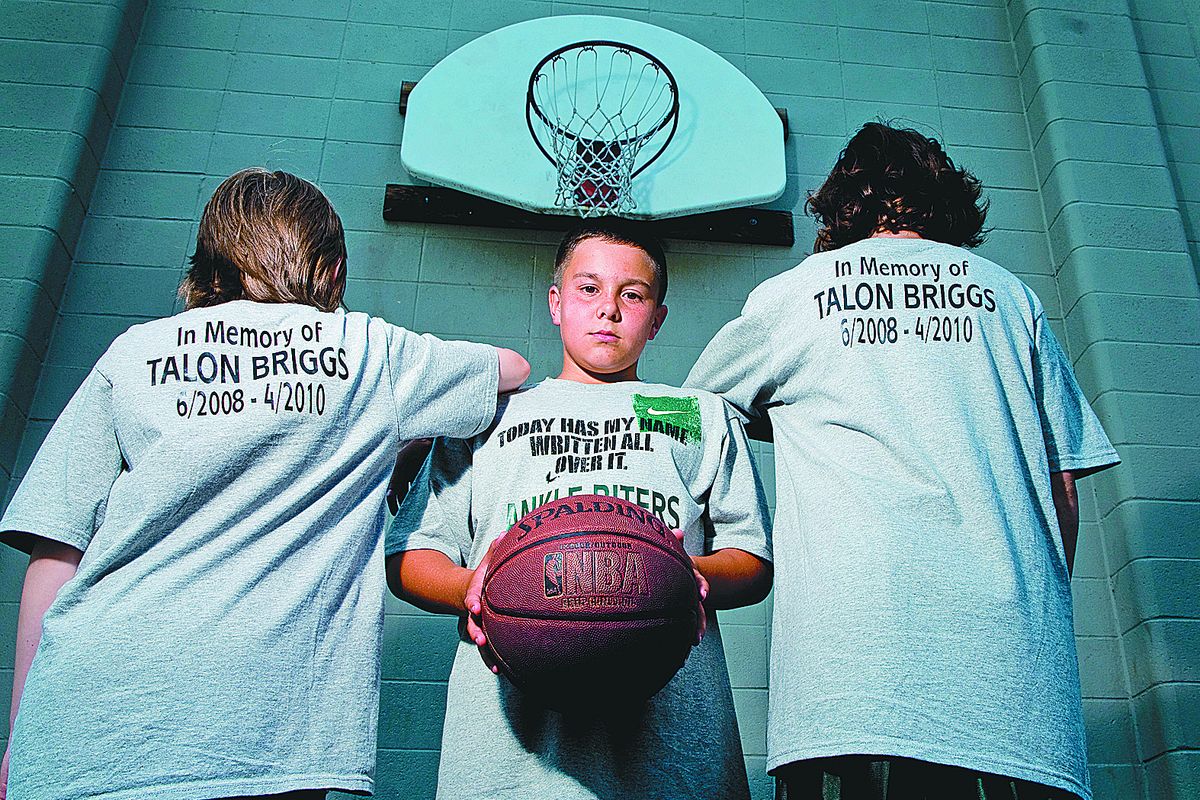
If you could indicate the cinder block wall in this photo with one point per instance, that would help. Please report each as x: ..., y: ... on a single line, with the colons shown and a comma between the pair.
x: 1168, y: 36
x: 1111, y: 97
x: 1035, y: 98
x: 62, y: 70
x: 1166, y: 692
x: 1109, y: 100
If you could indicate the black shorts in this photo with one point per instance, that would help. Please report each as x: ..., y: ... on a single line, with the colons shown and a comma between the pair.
x: 891, y: 778
x: 302, y: 794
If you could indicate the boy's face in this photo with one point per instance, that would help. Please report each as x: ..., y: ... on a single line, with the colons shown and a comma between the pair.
x: 606, y: 311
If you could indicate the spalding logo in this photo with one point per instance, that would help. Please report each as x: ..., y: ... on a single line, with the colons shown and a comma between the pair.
x: 552, y: 511
x: 586, y: 574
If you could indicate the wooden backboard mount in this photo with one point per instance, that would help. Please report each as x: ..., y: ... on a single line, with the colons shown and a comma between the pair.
x: 442, y: 206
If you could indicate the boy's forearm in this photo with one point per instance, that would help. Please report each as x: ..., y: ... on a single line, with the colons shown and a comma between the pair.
x: 735, y: 578
x: 1066, y: 507
x: 429, y: 580
x: 409, y: 461
x: 51, y: 565
x: 514, y: 369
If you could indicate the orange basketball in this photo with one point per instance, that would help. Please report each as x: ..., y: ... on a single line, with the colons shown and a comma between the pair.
x: 590, y: 601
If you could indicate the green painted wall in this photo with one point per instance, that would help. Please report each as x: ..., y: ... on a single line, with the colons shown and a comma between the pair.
x: 1111, y: 104
x: 1168, y: 36
x: 1080, y: 117
x: 63, y: 67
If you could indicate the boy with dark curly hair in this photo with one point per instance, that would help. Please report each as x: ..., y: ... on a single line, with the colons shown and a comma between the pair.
x: 928, y: 434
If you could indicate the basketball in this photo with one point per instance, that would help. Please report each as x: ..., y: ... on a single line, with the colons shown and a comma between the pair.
x: 589, y: 602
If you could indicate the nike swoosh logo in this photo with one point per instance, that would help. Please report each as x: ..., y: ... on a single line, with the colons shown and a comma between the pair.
x: 550, y: 477
x: 658, y: 412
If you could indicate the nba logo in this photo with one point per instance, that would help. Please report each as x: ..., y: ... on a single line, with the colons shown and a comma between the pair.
x: 554, y: 574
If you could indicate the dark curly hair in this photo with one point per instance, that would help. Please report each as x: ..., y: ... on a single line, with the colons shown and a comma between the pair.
x: 896, y: 179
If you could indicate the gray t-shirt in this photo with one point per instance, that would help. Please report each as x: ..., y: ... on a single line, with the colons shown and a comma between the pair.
x: 919, y: 403
x: 223, y: 471
x: 677, y: 453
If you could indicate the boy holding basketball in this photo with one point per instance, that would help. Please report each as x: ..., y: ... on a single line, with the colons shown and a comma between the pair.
x: 595, y: 429
x: 205, y: 590
x: 928, y: 434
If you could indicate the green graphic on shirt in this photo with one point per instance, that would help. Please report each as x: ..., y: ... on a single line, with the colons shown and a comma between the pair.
x: 677, y: 417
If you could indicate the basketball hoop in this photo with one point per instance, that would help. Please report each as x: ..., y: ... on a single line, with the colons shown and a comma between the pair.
x: 591, y: 108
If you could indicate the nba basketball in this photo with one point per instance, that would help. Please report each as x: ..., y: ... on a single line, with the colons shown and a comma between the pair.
x: 590, y: 602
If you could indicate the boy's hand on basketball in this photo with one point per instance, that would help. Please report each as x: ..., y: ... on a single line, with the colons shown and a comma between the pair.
x: 702, y: 587
x: 473, y: 602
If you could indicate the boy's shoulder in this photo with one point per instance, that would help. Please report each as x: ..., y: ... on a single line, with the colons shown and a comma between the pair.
x: 875, y: 256
x: 242, y: 314
x: 654, y: 399
x: 552, y: 392
x: 780, y: 293
x: 526, y: 401
x: 233, y: 323
x: 518, y: 399
x: 669, y: 390
x: 165, y: 334
x: 866, y: 255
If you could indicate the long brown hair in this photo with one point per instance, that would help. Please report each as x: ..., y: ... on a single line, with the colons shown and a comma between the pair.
x: 270, y: 237
x: 896, y: 179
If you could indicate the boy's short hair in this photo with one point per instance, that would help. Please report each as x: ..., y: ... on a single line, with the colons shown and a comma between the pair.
x: 270, y: 237
x: 617, y: 232
x: 897, y: 179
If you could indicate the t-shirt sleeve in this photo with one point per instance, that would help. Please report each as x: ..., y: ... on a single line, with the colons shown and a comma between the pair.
x: 737, y: 507
x: 442, y: 388
x: 1075, y: 441
x: 436, y: 512
x: 64, y: 494
x: 737, y: 363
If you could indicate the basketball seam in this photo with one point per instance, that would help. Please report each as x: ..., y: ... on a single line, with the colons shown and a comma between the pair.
x: 683, y: 560
x: 500, y: 662
x: 554, y: 616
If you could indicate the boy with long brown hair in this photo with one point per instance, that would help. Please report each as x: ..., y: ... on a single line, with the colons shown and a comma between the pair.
x: 205, y: 591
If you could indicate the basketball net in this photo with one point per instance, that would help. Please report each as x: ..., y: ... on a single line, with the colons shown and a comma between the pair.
x: 596, y: 105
